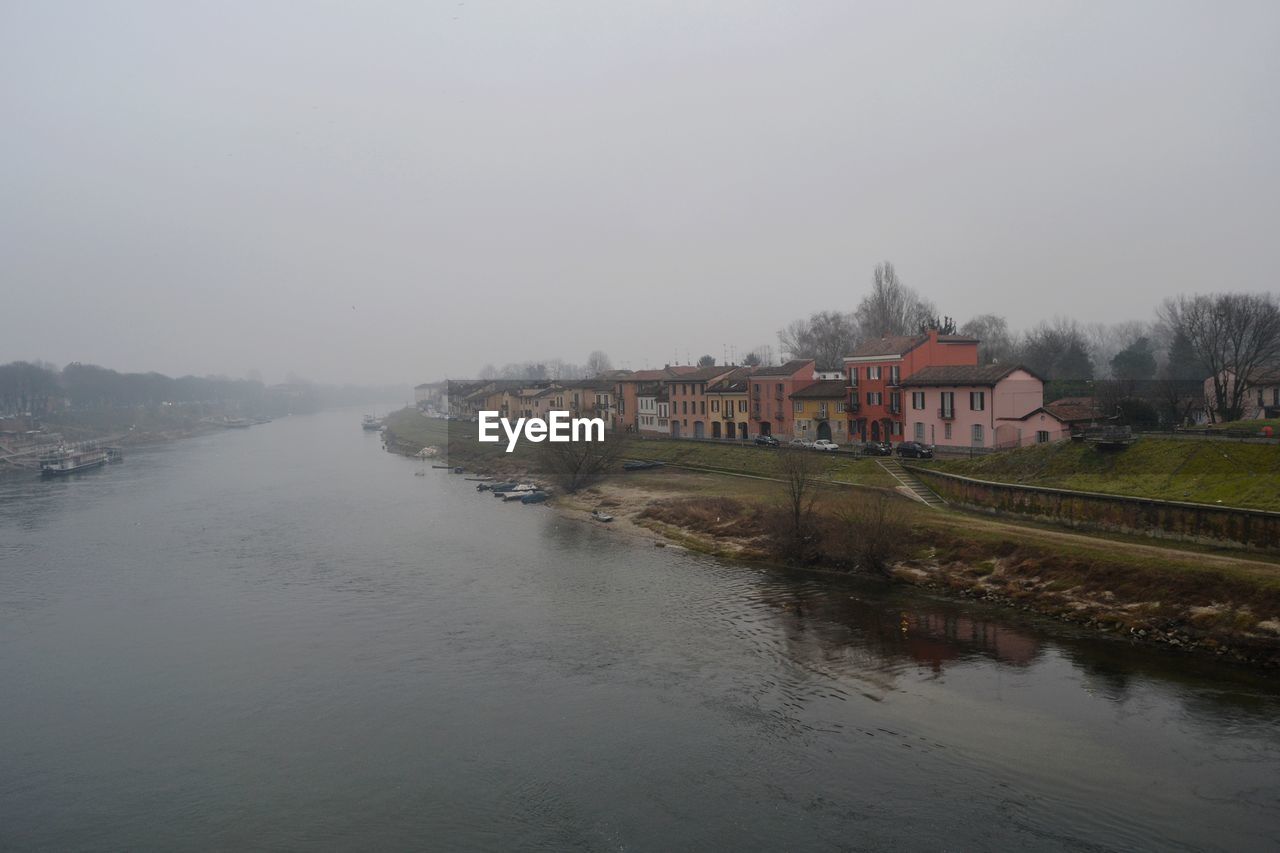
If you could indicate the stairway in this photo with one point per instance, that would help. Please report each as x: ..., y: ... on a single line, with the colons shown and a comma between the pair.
x: 918, y: 490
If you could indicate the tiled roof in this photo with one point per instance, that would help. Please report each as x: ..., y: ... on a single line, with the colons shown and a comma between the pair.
x: 1073, y: 409
x: 700, y: 374
x: 734, y: 383
x: 961, y: 374
x: 823, y: 389
x: 793, y: 366
x: 899, y: 344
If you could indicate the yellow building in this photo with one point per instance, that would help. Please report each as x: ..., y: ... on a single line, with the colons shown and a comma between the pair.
x: 818, y: 411
x: 727, y: 405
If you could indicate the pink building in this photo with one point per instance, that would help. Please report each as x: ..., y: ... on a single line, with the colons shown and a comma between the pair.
x: 986, y: 406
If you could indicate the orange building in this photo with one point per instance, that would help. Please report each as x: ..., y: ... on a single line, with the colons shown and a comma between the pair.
x: 876, y: 369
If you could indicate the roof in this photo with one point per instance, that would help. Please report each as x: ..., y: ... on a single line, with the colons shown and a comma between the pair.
x: 898, y: 344
x: 962, y: 374
x: 700, y: 374
x: 823, y: 389
x: 793, y: 366
x: 734, y: 383
x: 1044, y: 410
x: 1073, y: 409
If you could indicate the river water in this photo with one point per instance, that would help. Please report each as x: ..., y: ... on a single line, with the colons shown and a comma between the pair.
x: 281, y: 638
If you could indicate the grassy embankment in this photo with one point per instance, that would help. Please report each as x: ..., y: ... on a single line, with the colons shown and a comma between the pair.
x: 1188, y: 596
x: 1201, y: 471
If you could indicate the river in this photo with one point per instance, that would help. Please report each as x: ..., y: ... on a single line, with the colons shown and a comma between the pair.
x: 281, y: 638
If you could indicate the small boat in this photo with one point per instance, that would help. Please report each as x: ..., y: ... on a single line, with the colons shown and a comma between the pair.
x: 370, y: 423
x: 640, y: 465
x: 534, y: 497
x: 599, y: 515
x: 237, y: 423
x: 478, y: 479
x: 428, y: 452
x: 458, y: 470
x: 499, y: 487
x: 114, y: 454
x: 515, y: 491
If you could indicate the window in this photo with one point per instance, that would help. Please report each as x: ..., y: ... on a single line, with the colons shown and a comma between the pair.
x: 684, y: 389
x: 1042, y: 437
x: 797, y: 406
x: 919, y: 431
x: 873, y: 372
x: 840, y: 406
x: 977, y: 435
x: 893, y: 374
x: 684, y: 407
x: 977, y: 401
x: 897, y: 427
x: 875, y: 398
x: 702, y: 406
x: 948, y: 400
x: 742, y: 405
x: 715, y: 405
x: 917, y: 400
x: 778, y: 391
x: 946, y: 430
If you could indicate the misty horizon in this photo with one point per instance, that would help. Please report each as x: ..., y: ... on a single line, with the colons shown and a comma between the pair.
x: 407, y: 193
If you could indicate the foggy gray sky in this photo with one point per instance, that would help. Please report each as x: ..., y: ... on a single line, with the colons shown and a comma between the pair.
x: 212, y: 187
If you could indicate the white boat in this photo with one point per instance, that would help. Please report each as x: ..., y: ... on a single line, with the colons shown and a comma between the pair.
x: 370, y: 423
x: 598, y: 515
x: 71, y: 460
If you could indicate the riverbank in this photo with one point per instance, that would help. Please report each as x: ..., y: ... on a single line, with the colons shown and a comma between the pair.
x: 1187, y: 598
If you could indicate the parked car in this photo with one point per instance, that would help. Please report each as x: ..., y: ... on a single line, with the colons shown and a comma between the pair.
x: 767, y: 441
x: 824, y: 444
x: 876, y: 448
x: 801, y: 443
x: 915, y: 450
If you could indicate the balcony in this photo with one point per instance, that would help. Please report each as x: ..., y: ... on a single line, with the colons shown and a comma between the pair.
x: 947, y: 414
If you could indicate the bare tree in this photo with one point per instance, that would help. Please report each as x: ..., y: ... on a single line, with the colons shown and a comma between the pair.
x: 1057, y: 350
x: 598, y: 363
x: 800, y: 471
x: 574, y: 465
x: 891, y: 308
x: 995, y: 343
x: 1235, y: 335
x: 872, y: 530
x: 826, y: 337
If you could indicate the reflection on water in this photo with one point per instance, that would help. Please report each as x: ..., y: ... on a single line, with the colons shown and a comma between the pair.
x: 279, y: 637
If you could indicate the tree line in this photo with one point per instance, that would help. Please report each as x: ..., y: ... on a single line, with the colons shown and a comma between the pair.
x: 1188, y: 340
x: 39, y: 387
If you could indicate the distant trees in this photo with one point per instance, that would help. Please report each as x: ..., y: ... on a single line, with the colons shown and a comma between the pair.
x: 1136, y: 362
x: 1057, y: 350
x: 1234, y: 335
x: 827, y: 337
x: 891, y: 308
x: 751, y: 359
x: 707, y: 361
x: 27, y: 387
x: 995, y: 343
x: 598, y: 363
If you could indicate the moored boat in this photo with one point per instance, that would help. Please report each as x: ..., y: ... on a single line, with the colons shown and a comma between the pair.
x: 598, y: 515
x: 370, y: 423
x: 72, y: 460
x: 534, y: 497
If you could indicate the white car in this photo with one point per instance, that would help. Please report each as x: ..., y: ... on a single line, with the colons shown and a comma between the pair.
x: 801, y: 442
x: 824, y: 444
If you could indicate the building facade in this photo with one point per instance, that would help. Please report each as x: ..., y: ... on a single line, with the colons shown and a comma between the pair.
x: 769, y: 398
x: 967, y: 406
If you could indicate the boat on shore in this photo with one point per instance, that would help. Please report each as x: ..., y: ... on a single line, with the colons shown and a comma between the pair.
x: 236, y: 423
x: 73, y: 460
x: 534, y: 497
x: 370, y: 423
x: 599, y: 515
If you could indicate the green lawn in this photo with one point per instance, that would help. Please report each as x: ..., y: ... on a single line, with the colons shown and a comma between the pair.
x: 1209, y: 471
x: 1255, y: 425
x: 412, y: 428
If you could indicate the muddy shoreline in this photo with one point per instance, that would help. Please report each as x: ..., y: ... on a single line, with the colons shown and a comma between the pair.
x: 1005, y: 577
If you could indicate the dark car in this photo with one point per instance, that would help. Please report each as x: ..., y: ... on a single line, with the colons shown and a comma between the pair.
x: 915, y: 450
x: 876, y: 448
x: 767, y: 441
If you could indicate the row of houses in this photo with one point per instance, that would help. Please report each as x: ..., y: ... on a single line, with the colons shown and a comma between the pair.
x: 928, y: 388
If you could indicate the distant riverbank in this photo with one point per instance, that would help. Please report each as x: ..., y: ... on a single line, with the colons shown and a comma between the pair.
x: 708, y: 497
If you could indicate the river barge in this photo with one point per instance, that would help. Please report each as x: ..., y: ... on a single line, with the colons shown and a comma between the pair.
x: 73, y: 459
